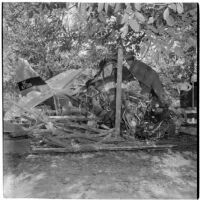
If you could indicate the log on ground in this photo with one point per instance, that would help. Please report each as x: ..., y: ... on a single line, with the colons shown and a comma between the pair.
x: 96, y: 148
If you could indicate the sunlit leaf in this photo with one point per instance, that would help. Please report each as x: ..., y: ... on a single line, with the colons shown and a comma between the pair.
x: 166, y: 13
x: 100, y: 7
x: 170, y: 20
x: 129, y: 9
x: 117, y: 7
x: 125, y: 18
x: 134, y: 25
x: 151, y: 20
x: 138, y: 6
x: 179, y: 8
x: 124, y: 30
x: 140, y: 17
x: 172, y: 6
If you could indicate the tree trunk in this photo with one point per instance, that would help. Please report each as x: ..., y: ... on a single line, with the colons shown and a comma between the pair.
x: 119, y: 92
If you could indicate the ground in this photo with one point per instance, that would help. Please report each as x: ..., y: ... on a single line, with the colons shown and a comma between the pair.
x: 141, y: 174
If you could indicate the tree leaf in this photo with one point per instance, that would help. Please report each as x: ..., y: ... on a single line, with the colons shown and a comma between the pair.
x: 128, y: 9
x: 171, y: 43
x: 119, y: 19
x: 193, y: 12
x: 125, y: 18
x: 170, y: 20
x: 166, y: 13
x: 112, y: 5
x: 102, y: 18
x: 139, y: 16
x: 117, y: 7
x: 192, y: 41
x: 143, y: 49
x: 100, y: 7
x: 172, y: 6
x: 150, y: 27
x: 151, y: 20
x: 179, y: 8
x: 134, y: 25
x: 178, y: 51
x: 124, y: 30
x: 138, y: 6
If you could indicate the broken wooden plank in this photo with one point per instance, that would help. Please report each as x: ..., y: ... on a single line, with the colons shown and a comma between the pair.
x: 71, y: 118
x: 80, y: 134
x: 55, y: 141
x: 93, y: 148
x: 66, y: 117
x: 85, y: 127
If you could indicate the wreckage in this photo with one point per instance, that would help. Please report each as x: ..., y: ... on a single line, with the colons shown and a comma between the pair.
x: 142, y: 117
x: 61, y: 116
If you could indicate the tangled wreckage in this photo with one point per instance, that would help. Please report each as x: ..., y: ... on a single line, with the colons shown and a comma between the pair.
x: 62, y: 115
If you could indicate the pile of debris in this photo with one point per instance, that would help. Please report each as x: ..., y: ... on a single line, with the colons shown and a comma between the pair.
x: 83, y: 118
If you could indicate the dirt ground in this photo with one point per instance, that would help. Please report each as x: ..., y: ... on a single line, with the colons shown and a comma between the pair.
x: 102, y: 175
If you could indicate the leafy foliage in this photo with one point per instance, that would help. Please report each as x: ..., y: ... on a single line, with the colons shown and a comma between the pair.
x: 58, y: 36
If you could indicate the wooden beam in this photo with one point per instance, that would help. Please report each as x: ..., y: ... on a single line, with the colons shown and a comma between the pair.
x: 96, y: 148
x: 119, y: 92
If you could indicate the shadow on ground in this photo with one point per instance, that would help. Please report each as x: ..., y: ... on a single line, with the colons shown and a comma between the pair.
x: 102, y: 175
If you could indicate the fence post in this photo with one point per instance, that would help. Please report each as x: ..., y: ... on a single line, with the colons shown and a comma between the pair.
x: 119, y: 92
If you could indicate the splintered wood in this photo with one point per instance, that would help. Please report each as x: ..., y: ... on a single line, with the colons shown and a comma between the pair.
x: 74, y: 134
x: 60, y: 131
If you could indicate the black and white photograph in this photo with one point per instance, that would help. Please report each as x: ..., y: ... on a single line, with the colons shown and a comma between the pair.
x: 100, y: 100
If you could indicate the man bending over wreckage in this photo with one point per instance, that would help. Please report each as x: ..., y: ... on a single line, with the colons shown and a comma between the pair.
x: 134, y: 69
x: 150, y: 83
x: 147, y: 77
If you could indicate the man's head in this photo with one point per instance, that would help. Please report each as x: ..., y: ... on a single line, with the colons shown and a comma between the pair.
x: 130, y: 58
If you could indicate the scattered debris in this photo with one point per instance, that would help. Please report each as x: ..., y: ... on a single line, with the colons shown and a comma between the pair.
x: 84, y: 118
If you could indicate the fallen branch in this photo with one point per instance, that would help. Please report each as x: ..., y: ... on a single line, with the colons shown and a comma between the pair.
x: 93, y: 148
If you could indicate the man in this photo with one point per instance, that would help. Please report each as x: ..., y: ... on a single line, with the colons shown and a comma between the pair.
x: 147, y: 77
